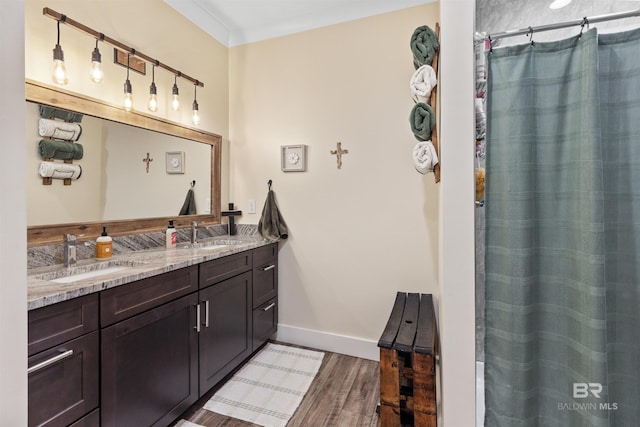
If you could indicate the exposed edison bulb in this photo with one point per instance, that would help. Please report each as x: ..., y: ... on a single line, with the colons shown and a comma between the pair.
x: 175, y: 98
x: 196, y: 114
x: 59, y: 73
x: 153, y: 98
x: 96, y: 74
x: 128, y: 96
x: 175, y: 102
x: 153, y: 103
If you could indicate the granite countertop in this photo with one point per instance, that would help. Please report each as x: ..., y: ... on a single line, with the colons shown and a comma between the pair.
x: 44, y: 285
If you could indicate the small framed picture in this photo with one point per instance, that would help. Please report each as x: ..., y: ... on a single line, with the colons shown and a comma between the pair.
x: 175, y: 161
x: 293, y: 158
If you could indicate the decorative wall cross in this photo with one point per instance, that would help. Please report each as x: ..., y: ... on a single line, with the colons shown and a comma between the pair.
x: 339, y: 152
x: 147, y: 160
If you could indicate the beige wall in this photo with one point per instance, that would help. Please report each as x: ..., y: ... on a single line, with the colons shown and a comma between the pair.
x: 152, y: 27
x: 360, y: 234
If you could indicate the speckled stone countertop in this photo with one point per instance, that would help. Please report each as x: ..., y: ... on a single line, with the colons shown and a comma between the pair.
x: 126, y: 268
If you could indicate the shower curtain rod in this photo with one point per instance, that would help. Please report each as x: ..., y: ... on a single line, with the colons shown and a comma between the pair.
x: 548, y: 27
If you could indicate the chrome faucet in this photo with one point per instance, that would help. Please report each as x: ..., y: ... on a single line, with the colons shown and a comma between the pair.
x: 194, y: 232
x: 70, y: 249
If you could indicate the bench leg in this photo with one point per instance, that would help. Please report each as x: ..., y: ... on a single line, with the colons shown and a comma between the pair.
x: 424, y: 390
x: 389, y: 388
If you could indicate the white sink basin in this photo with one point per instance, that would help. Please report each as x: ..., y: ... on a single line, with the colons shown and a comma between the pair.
x: 89, y: 274
x: 88, y: 271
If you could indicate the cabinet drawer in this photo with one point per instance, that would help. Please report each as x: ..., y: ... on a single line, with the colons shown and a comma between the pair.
x: 217, y: 270
x: 127, y: 300
x: 265, y: 254
x: 265, y: 322
x: 52, y: 325
x: 265, y: 282
x: 67, y: 387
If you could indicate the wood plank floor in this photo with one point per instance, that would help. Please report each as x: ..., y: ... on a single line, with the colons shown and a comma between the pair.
x: 344, y: 394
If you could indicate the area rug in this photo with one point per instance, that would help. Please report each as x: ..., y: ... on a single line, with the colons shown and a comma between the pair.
x: 269, y: 388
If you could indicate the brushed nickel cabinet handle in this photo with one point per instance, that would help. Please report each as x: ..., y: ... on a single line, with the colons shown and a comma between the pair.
x: 206, y: 314
x: 271, y: 267
x: 197, y: 327
x: 269, y: 307
x: 51, y: 361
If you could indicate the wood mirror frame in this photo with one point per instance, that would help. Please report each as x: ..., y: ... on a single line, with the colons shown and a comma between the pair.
x: 55, y: 97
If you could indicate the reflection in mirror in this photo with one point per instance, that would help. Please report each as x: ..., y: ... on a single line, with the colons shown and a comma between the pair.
x: 115, y: 189
x: 115, y: 184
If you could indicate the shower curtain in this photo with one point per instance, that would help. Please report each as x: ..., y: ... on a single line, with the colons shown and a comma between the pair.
x: 563, y: 233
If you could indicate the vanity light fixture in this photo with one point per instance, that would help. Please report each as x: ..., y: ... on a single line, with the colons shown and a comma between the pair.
x: 60, y: 76
x: 128, y: 96
x: 153, y: 91
x: 196, y: 113
x: 175, y: 97
x: 59, y: 70
x: 96, y: 74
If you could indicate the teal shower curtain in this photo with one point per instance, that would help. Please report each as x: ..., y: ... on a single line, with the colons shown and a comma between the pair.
x: 563, y: 233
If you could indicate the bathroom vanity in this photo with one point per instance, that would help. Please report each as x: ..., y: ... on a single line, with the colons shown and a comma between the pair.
x: 139, y: 344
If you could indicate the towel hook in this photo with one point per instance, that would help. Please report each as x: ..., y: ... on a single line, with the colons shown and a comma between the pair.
x: 269, y: 184
x: 193, y: 183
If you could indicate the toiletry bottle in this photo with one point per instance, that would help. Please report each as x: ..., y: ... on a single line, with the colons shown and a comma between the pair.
x: 104, y: 245
x: 171, y: 235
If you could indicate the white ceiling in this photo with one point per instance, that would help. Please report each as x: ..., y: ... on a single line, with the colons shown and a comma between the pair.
x: 234, y: 22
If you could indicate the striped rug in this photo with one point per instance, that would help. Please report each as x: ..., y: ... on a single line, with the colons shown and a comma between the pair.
x: 269, y: 388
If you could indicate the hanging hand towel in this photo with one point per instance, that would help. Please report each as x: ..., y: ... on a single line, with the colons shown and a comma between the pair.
x: 422, y: 83
x: 59, y: 130
x: 424, y: 44
x: 189, y: 206
x: 60, y: 150
x: 60, y: 170
x: 422, y: 121
x: 425, y: 157
x: 272, y: 225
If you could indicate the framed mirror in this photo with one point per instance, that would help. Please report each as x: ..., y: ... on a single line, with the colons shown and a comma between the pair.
x: 125, y: 196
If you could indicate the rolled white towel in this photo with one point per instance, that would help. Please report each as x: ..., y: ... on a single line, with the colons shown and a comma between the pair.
x: 425, y: 157
x: 60, y: 170
x: 422, y: 83
x: 59, y: 130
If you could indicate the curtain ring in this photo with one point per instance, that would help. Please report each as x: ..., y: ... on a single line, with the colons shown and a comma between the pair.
x: 490, y: 44
x: 530, y: 34
x: 585, y: 21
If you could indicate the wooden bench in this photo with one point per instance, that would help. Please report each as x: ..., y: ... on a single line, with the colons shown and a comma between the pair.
x: 408, y: 363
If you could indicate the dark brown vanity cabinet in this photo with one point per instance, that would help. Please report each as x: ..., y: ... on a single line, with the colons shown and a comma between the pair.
x: 265, y: 294
x: 142, y: 353
x: 149, y: 350
x: 64, y: 362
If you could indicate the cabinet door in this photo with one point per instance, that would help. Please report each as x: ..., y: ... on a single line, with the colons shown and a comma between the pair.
x: 150, y: 366
x: 63, y: 382
x: 225, y: 335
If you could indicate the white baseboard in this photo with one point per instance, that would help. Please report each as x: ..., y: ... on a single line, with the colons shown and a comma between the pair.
x: 342, y: 344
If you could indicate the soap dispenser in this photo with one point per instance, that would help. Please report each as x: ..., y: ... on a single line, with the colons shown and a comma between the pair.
x: 104, y: 245
x: 171, y: 235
